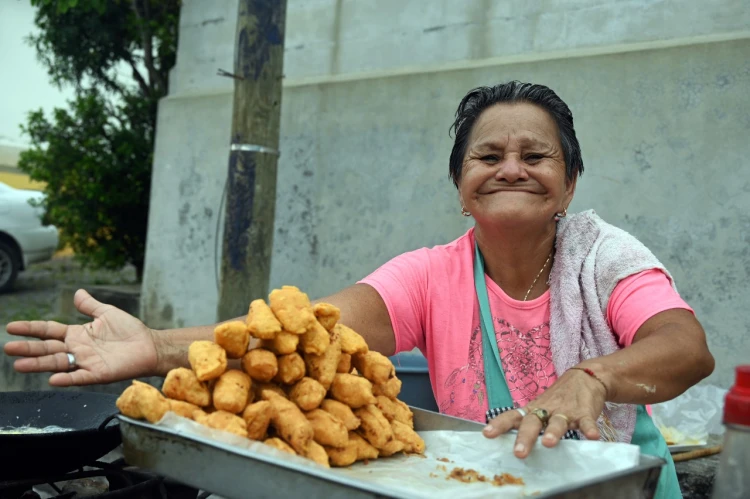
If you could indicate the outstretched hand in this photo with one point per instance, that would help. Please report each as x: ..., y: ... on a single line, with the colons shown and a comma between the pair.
x: 114, y: 346
x: 573, y: 402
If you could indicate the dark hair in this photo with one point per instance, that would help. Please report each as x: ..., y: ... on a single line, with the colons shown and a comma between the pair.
x: 480, y: 98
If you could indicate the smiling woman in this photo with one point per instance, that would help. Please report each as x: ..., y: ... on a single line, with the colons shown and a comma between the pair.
x: 536, y: 320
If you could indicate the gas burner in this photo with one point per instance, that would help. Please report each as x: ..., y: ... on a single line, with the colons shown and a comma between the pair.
x: 100, y: 479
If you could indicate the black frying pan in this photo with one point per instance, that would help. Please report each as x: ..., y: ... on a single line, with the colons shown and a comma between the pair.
x: 34, y: 454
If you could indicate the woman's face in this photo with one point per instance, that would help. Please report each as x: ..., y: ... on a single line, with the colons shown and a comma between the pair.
x: 514, y: 168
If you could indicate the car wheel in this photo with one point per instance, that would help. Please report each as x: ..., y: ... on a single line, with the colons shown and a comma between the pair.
x: 9, y: 263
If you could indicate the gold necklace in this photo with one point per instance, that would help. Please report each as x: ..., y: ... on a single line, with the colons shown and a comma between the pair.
x: 537, y: 276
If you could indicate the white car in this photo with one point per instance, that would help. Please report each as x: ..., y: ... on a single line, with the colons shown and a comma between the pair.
x: 24, y: 239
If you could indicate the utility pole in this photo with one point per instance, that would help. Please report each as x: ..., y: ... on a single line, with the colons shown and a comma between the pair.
x: 251, y: 182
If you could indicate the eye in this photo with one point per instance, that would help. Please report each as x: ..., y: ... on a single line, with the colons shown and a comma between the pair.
x: 490, y: 158
x: 533, y: 158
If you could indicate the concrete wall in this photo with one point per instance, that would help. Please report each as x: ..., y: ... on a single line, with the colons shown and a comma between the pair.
x: 661, y: 112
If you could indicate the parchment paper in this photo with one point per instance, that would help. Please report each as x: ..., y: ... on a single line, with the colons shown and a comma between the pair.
x: 416, y: 476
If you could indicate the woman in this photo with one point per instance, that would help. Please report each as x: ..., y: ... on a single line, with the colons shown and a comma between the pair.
x: 533, y: 320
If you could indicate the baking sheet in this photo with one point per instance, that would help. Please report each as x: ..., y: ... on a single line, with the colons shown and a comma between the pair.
x: 416, y: 476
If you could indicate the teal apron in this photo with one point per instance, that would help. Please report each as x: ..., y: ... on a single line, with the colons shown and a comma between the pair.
x: 645, y: 435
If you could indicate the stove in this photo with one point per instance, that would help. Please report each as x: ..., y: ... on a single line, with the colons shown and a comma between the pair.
x: 110, y: 477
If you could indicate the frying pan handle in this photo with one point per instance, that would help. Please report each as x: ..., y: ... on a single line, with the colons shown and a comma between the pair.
x: 109, y: 419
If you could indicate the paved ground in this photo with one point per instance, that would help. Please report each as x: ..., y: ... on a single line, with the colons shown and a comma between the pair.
x: 36, y: 291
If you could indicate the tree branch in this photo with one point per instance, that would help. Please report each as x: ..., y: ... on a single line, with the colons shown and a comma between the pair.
x: 145, y: 29
x: 137, y: 76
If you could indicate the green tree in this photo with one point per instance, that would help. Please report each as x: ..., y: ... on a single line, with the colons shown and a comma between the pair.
x: 96, y: 156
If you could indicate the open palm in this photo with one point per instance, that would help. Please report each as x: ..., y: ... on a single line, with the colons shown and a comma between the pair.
x: 114, y: 346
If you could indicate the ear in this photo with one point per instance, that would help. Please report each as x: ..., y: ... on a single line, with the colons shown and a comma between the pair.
x: 570, y: 189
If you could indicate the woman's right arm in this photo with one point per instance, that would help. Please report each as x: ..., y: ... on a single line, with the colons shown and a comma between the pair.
x: 116, y: 346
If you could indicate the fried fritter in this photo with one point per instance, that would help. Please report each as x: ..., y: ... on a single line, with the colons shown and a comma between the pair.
x: 289, y: 422
x: 317, y: 453
x: 292, y: 307
x: 284, y: 343
x: 182, y: 384
x: 390, y: 388
x: 233, y: 337
x: 351, y: 342
x: 343, y: 456
x: 327, y: 429
x: 328, y: 315
x: 307, y: 394
x: 352, y: 390
x: 184, y: 409
x: 261, y: 388
x: 345, y: 364
x: 260, y: 364
x: 257, y: 416
x: 207, y: 359
x: 315, y: 340
x: 323, y: 367
x: 142, y: 401
x: 261, y: 322
x: 374, y: 366
x: 291, y: 369
x: 225, y: 421
x: 413, y: 443
x: 277, y: 443
x: 391, y: 448
x: 231, y: 391
x: 375, y: 428
x: 365, y: 450
x: 342, y: 412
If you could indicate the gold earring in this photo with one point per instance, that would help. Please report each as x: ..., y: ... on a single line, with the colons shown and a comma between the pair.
x: 464, y: 212
x: 564, y: 214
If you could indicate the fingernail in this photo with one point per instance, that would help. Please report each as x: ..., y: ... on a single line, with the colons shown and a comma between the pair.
x: 489, y: 429
x: 519, y: 448
x: 549, y: 436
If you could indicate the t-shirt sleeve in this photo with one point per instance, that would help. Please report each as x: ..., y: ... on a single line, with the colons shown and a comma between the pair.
x: 402, y: 284
x: 636, y: 299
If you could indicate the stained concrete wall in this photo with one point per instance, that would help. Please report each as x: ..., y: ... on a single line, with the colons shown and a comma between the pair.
x: 661, y: 113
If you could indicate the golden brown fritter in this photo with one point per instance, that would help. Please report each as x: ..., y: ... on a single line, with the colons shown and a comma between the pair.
x: 208, y: 360
x: 261, y: 323
x: 352, y: 390
x: 182, y: 384
x: 260, y: 364
x: 233, y: 337
x: 293, y: 309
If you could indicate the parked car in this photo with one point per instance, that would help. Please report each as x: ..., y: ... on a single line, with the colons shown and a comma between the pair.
x: 24, y: 239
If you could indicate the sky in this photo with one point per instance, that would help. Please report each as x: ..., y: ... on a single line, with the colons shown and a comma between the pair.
x: 24, y: 84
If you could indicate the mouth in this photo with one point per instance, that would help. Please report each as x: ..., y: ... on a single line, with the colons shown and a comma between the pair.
x: 505, y: 189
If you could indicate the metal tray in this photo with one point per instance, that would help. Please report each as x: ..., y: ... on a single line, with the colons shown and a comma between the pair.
x: 222, y: 469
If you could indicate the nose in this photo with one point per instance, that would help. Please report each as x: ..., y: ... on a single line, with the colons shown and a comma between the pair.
x: 512, y: 169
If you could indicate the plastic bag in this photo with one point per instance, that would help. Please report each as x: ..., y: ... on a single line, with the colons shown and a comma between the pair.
x: 690, y: 418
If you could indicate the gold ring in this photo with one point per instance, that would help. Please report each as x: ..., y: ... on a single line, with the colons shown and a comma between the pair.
x: 563, y: 416
x: 542, y: 414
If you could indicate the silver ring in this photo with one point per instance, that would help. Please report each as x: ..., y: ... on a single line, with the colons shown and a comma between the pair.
x: 71, y: 362
x: 522, y: 412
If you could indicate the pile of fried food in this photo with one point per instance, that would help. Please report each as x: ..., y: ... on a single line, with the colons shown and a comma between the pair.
x: 310, y: 387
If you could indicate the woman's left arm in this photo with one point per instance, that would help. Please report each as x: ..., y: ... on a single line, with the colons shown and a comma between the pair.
x: 668, y: 355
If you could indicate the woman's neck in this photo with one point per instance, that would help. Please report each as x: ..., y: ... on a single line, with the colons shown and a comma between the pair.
x: 513, y: 260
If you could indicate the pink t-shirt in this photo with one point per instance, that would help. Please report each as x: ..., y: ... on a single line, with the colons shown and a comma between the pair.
x: 432, y: 304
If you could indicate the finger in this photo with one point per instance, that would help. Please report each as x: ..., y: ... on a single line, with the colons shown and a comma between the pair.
x: 588, y: 427
x: 44, y: 330
x: 34, y: 348
x: 528, y: 432
x: 88, y: 305
x: 78, y: 377
x: 555, y: 430
x: 49, y: 363
x: 503, y: 423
